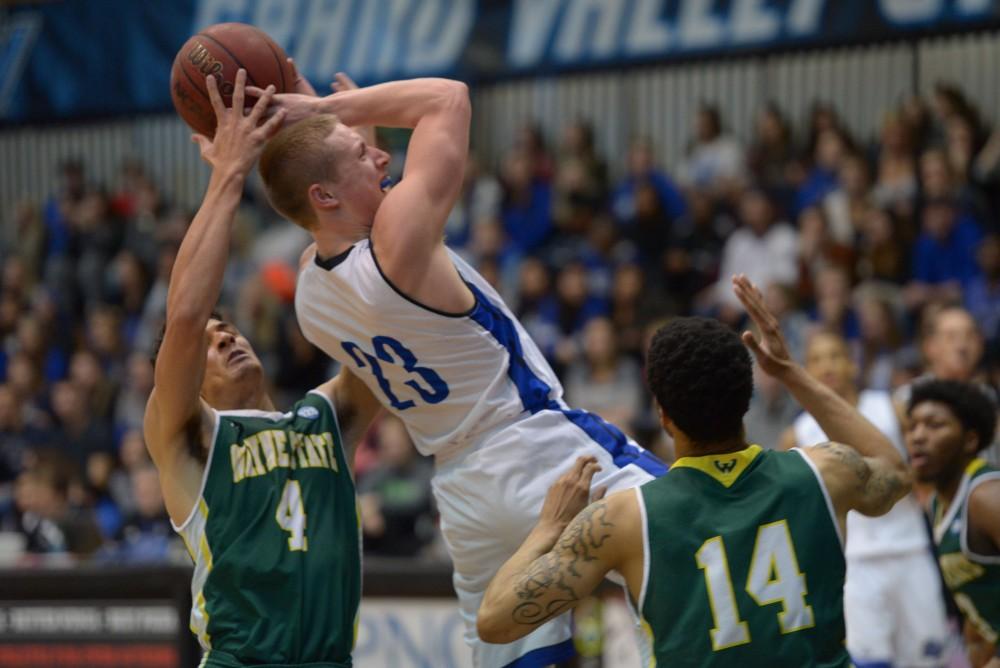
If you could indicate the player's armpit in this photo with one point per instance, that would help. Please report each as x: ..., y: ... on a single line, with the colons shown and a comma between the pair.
x: 355, y: 405
x: 179, y: 454
x: 168, y: 437
x: 866, y: 484
x: 522, y: 598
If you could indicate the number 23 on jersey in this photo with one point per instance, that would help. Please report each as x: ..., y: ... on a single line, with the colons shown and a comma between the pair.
x: 428, y: 385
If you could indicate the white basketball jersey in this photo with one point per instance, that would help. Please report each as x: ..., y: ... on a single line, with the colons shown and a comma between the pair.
x: 902, y: 529
x: 451, y: 378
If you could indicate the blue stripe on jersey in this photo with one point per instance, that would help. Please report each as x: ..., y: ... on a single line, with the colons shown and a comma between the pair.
x: 534, y: 391
x: 614, y: 441
x: 545, y: 656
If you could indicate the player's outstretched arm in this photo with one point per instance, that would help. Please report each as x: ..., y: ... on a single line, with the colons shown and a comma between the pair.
x: 863, y: 471
x: 563, y: 560
x: 341, y: 83
x: 870, y: 485
x: 408, y: 231
x: 196, y: 279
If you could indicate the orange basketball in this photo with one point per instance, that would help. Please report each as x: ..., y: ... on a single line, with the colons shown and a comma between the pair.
x: 220, y: 50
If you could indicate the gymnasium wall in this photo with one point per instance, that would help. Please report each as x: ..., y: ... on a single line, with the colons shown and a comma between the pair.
x: 656, y: 101
x: 659, y: 102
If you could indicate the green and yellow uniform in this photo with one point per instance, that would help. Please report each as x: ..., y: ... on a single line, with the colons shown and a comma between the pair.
x: 974, y: 579
x: 275, y: 541
x: 744, y: 563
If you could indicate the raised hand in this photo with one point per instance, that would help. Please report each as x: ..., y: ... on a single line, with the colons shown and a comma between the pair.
x: 296, y: 106
x: 302, y: 85
x: 771, y: 351
x: 343, y: 82
x: 239, y: 137
x: 570, y: 493
x: 303, y: 103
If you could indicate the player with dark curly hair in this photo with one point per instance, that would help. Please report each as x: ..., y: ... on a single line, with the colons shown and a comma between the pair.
x: 711, y: 549
x: 950, y: 423
x: 702, y: 377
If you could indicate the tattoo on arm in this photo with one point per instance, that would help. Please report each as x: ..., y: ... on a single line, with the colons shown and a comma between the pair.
x: 547, y: 587
x: 854, y: 462
x: 877, y: 487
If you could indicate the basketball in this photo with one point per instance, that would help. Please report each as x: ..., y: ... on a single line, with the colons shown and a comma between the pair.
x: 220, y: 50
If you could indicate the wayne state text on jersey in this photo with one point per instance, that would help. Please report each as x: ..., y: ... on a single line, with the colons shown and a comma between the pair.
x: 274, y: 448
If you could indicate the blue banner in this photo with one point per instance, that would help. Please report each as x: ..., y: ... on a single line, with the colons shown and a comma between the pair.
x: 86, y: 58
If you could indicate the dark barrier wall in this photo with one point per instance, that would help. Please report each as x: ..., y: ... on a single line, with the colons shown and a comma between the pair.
x: 96, y: 618
x: 106, y: 57
x: 138, y: 617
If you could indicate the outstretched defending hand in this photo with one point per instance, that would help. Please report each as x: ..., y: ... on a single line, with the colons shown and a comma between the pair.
x: 239, y: 140
x: 303, y: 103
x: 342, y: 82
x: 772, y: 351
x: 570, y: 494
x: 302, y: 84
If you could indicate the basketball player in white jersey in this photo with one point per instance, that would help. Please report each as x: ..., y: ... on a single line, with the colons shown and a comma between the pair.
x: 893, y: 600
x: 383, y: 295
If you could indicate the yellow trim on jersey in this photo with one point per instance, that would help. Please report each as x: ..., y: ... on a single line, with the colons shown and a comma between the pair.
x: 187, y: 546
x: 970, y: 470
x: 725, y: 467
x: 361, y: 557
x: 974, y: 466
x: 647, y: 632
x: 202, y: 634
x: 206, y: 559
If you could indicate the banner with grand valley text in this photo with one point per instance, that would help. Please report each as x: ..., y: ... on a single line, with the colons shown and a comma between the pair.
x: 87, y: 58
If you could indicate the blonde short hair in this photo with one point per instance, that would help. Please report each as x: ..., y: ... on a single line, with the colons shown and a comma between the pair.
x: 293, y: 160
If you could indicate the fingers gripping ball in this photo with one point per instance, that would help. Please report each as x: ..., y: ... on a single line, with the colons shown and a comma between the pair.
x: 220, y: 50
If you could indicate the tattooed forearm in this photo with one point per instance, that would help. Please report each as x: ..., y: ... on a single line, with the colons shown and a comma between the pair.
x: 877, y: 487
x: 885, y: 488
x: 549, y: 585
x: 544, y: 591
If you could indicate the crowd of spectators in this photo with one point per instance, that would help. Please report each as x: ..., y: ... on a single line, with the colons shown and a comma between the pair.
x: 890, y: 240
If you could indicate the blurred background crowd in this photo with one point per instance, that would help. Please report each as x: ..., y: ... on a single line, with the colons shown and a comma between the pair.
x: 891, y: 241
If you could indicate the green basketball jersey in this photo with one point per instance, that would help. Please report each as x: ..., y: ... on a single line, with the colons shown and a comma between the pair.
x: 275, y: 541
x: 744, y: 563
x: 973, y: 579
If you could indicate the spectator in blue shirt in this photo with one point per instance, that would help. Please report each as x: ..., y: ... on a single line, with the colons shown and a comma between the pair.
x: 527, y: 205
x: 567, y: 312
x: 982, y: 295
x: 944, y: 255
x: 643, y: 171
x: 145, y: 535
x: 832, y: 146
x: 58, y: 209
